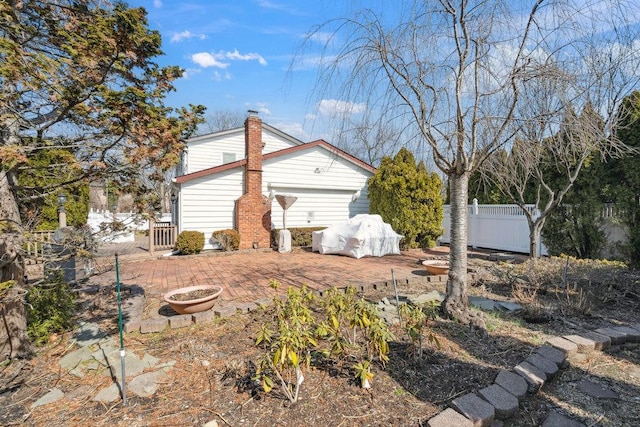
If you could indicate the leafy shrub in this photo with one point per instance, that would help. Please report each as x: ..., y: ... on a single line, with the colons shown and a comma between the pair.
x: 299, y: 236
x: 190, y: 242
x: 229, y: 239
x: 51, y: 306
x: 409, y: 198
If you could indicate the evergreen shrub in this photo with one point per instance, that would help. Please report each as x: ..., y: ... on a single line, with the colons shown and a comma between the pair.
x: 190, y: 242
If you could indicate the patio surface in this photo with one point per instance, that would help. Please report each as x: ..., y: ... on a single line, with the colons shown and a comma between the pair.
x: 245, y: 275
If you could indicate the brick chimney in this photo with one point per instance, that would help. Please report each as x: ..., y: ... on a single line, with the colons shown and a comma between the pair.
x: 253, y: 210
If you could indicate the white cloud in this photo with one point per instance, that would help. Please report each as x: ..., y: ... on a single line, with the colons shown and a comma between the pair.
x: 329, y: 107
x: 218, y: 76
x: 294, y: 129
x: 157, y: 3
x: 235, y: 55
x: 184, y: 35
x: 206, y: 59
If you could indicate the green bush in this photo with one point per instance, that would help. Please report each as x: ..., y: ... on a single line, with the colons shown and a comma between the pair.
x: 299, y: 236
x: 51, y: 307
x: 229, y: 239
x: 190, y: 242
x: 409, y: 198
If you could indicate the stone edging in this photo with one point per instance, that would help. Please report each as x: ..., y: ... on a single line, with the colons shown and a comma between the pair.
x: 501, y: 399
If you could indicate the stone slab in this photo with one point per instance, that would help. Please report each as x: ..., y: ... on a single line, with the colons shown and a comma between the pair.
x: 247, y: 307
x: 225, y: 311
x: 71, y: 360
x: 534, y: 376
x: 180, y: 321
x: 633, y: 335
x: 132, y: 326
x: 616, y: 337
x: 203, y: 317
x: 481, y: 412
x: 265, y: 302
x: 585, y: 345
x: 509, y: 306
x: 88, y: 334
x: 596, y: 390
x: 482, y: 303
x: 601, y: 342
x: 146, y: 385
x: 556, y: 420
x: 567, y: 347
x: 551, y: 353
x: 504, y: 403
x: 108, y: 395
x: 52, y: 396
x: 513, y: 383
x: 449, y: 418
x: 153, y: 325
x: 544, y: 364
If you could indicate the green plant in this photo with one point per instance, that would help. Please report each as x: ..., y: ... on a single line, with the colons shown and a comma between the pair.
x: 229, y: 239
x: 190, y: 242
x: 409, y: 198
x: 414, y: 320
x: 300, y: 237
x: 50, y: 308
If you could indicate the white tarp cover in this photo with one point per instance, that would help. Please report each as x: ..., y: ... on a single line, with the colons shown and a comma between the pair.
x: 362, y: 235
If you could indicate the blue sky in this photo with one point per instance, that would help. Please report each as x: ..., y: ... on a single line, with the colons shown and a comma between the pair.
x: 238, y: 56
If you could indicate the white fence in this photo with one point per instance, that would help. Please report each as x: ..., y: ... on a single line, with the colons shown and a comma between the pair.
x: 500, y: 227
x: 98, y: 221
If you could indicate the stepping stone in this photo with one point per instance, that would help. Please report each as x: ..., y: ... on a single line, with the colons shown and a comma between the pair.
x: 556, y: 420
x: 616, y: 337
x: 108, y: 395
x: 483, y: 303
x: 146, y: 385
x: 596, y: 390
x: 53, y: 396
x: 534, y: 376
x: 633, y: 335
x: 569, y: 348
x: 601, y: 342
x: 450, y: 418
x: 504, y: 403
x: 556, y: 356
x: 584, y: 344
x: 509, y: 306
x: 88, y: 334
x: 513, y: 383
x: 75, y: 358
x: 544, y: 364
x: 477, y: 410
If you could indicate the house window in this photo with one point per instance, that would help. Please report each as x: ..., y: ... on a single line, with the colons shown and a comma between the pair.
x: 228, y: 157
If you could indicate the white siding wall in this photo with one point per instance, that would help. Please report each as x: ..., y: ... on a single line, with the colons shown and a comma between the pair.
x: 324, y: 198
x: 207, y: 152
x: 208, y: 204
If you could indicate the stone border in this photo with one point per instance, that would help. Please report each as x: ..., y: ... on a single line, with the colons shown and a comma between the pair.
x: 500, y: 400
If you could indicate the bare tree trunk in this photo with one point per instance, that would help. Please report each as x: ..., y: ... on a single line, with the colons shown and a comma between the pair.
x: 14, y: 341
x: 456, y: 304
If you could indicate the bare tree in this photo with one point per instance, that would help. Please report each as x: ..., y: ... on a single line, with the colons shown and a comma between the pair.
x: 452, y: 72
x: 223, y: 120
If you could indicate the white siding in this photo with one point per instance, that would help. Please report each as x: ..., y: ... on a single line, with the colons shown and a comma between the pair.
x: 208, y: 204
x: 324, y: 183
x: 206, y: 151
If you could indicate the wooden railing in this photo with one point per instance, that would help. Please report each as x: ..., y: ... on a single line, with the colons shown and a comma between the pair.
x: 34, y: 246
x: 162, y: 236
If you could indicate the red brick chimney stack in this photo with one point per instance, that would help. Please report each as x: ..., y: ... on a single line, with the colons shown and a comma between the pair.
x: 253, y: 210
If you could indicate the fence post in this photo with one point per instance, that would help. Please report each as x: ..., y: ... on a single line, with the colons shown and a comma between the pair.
x: 151, y: 235
x: 473, y: 224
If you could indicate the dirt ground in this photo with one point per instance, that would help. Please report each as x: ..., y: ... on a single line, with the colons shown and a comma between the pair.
x: 215, y: 363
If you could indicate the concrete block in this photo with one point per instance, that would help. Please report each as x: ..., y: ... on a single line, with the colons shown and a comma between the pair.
x: 513, y: 383
x: 567, y: 347
x: 633, y: 335
x: 534, y: 376
x: 449, y: 418
x: 544, y: 364
x: 180, y: 321
x: 203, y: 317
x: 225, y: 311
x: 616, y: 337
x: 153, y: 325
x: 585, y: 345
x: 132, y: 326
x: 556, y: 356
x: 264, y: 302
x: 505, y: 403
x: 481, y: 412
x: 246, y: 307
x: 601, y: 342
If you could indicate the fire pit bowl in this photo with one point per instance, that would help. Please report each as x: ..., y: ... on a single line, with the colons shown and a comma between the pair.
x: 193, y: 299
x: 434, y: 266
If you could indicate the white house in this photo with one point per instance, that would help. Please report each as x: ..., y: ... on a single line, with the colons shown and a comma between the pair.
x: 229, y: 179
